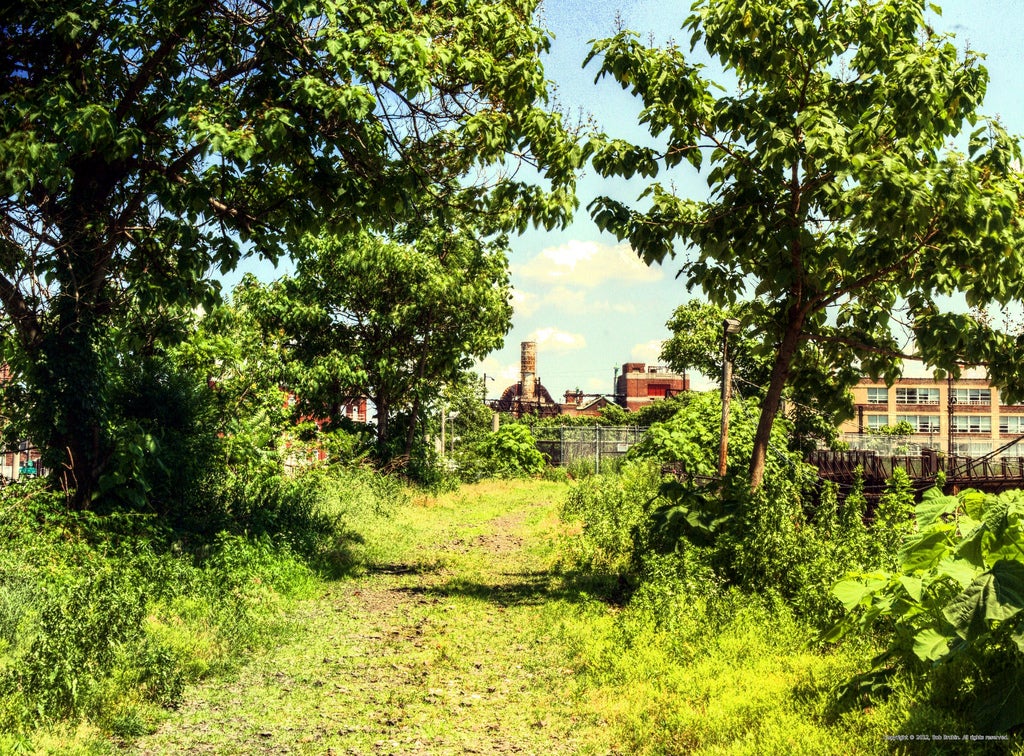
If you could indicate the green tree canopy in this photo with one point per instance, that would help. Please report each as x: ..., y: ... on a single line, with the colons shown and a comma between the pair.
x: 817, y: 391
x: 144, y: 144
x: 365, y: 316
x: 835, y: 197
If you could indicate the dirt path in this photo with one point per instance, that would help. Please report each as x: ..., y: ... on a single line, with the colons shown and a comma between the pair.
x: 446, y: 650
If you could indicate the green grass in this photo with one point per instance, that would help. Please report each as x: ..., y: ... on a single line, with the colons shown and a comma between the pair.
x: 456, y: 625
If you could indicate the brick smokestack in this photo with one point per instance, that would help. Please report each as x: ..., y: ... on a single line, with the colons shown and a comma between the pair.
x: 528, y: 366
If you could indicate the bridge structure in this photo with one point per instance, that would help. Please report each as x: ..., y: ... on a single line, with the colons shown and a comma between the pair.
x: 991, y: 473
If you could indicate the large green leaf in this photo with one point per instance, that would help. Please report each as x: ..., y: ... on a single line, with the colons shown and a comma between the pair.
x: 974, y: 503
x: 926, y: 549
x: 853, y: 591
x: 994, y: 596
x: 961, y: 571
x: 933, y: 507
x: 931, y: 645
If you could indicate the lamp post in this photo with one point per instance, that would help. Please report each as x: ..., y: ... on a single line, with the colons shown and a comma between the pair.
x: 729, y: 325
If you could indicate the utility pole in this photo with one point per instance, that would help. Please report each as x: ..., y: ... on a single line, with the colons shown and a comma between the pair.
x: 729, y: 325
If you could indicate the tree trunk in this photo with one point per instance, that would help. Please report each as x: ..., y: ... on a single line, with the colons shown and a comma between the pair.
x: 383, y: 427
x: 70, y: 383
x: 410, y: 435
x: 777, y: 383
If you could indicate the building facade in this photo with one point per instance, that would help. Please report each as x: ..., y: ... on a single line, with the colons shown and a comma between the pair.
x: 963, y: 416
x: 640, y: 384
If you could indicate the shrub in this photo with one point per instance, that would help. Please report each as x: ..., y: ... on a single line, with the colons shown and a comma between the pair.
x: 787, y: 538
x: 509, y: 452
x: 103, y: 615
x: 955, y: 603
x: 613, y: 512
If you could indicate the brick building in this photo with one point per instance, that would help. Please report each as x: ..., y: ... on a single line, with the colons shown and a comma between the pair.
x: 640, y: 384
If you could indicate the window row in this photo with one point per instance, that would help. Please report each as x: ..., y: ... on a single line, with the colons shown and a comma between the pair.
x: 961, y: 423
x: 930, y: 396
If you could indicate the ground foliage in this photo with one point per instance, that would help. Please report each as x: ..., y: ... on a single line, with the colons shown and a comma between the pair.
x: 937, y: 583
x: 105, y: 618
x: 954, y: 602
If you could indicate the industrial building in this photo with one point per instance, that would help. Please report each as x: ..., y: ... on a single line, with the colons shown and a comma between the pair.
x: 640, y: 384
x: 960, y: 416
x: 637, y: 386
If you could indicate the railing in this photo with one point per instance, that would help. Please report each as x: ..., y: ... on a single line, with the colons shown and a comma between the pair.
x: 988, y: 472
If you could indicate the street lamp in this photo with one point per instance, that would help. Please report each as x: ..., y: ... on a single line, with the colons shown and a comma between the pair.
x: 729, y: 325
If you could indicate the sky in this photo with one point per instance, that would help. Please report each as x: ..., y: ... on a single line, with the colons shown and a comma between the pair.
x: 587, y: 300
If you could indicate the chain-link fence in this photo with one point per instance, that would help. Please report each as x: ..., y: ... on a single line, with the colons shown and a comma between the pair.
x: 595, y: 445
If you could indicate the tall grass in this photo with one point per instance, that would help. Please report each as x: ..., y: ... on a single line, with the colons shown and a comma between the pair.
x: 104, y: 619
x: 724, y: 655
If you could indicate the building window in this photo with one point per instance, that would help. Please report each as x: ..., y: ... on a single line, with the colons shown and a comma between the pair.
x: 878, y: 396
x: 917, y: 396
x: 972, y: 396
x: 875, y: 422
x: 972, y: 448
x: 972, y: 424
x: 921, y: 423
x: 1011, y: 424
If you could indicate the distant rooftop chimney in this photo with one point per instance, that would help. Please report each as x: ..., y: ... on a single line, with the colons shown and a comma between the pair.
x: 528, y: 367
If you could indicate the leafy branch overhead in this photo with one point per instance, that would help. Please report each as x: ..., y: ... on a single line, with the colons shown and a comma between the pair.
x: 834, y: 198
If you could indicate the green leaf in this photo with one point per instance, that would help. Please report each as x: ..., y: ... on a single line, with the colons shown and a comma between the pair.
x: 931, y: 645
x: 994, y: 596
x: 913, y: 586
x: 963, y: 572
x: 932, y: 508
x: 925, y: 550
x: 851, y: 592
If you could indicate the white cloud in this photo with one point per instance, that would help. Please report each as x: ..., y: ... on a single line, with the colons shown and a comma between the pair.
x: 556, y: 340
x: 501, y: 372
x: 524, y: 303
x: 648, y: 352
x: 582, y: 302
x: 587, y: 264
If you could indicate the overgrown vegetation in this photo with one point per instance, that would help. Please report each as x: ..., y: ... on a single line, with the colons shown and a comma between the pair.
x: 104, y: 619
x: 703, y: 561
x: 954, y: 605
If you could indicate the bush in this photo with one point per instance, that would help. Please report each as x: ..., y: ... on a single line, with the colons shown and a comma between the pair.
x: 788, y: 538
x: 955, y: 603
x: 102, y: 616
x: 509, y: 452
x: 612, y: 511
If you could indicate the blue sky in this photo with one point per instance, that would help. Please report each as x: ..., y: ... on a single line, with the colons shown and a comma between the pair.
x: 586, y: 300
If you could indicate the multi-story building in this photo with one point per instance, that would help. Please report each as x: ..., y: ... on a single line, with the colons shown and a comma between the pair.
x: 641, y: 384
x: 963, y: 415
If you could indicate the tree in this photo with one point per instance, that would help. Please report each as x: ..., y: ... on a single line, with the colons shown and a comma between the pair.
x: 145, y: 144
x: 817, y: 391
x: 696, y: 344
x: 365, y: 316
x: 834, y: 195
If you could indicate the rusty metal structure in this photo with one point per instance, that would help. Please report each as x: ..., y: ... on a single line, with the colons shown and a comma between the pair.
x: 991, y: 473
x: 528, y: 396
